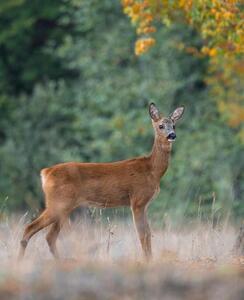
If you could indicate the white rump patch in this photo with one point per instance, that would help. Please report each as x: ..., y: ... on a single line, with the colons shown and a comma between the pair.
x: 43, y: 178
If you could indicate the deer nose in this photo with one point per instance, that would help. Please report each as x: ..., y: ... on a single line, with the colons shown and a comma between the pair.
x: 171, y: 136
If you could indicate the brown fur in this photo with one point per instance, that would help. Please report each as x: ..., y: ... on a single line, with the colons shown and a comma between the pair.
x: 132, y: 182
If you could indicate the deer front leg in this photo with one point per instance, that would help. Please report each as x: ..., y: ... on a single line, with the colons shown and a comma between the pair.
x: 143, y: 229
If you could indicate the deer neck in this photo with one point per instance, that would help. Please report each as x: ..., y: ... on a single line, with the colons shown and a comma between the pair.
x: 159, y: 157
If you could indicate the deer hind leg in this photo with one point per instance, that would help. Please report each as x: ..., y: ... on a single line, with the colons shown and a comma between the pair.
x: 52, y: 237
x: 42, y: 221
x: 143, y: 230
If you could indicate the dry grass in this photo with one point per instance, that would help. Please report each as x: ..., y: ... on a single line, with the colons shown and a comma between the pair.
x: 103, y: 261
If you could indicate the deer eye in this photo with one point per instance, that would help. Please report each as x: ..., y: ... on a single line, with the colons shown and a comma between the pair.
x: 174, y: 127
x: 161, y: 126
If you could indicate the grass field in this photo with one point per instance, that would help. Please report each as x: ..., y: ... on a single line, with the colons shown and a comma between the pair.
x: 104, y: 261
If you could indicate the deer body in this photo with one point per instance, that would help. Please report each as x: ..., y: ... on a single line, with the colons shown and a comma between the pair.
x: 133, y: 182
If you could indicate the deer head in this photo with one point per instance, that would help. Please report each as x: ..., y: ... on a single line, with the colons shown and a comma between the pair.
x: 165, y: 126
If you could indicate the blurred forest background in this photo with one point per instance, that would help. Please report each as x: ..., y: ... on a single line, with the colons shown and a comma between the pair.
x: 72, y: 89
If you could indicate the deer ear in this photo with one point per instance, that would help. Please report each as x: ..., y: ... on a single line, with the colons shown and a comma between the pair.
x: 154, y: 112
x: 177, y: 114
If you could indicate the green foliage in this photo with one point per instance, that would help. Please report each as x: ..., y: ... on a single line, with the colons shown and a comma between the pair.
x: 31, y: 37
x: 37, y: 134
x: 103, y: 116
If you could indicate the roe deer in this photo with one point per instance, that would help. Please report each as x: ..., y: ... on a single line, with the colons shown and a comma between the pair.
x: 134, y: 182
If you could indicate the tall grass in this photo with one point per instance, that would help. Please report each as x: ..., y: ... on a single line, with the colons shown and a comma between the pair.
x: 103, y: 260
x: 111, y: 240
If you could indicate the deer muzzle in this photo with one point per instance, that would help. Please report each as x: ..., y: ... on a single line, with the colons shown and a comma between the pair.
x: 171, y: 137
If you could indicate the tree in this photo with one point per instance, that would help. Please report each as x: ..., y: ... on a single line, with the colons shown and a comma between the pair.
x: 31, y: 40
x: 220, y: 24
x: 103, y: 116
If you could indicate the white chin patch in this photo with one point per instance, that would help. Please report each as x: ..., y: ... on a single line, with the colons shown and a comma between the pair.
x: 171, y: 140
